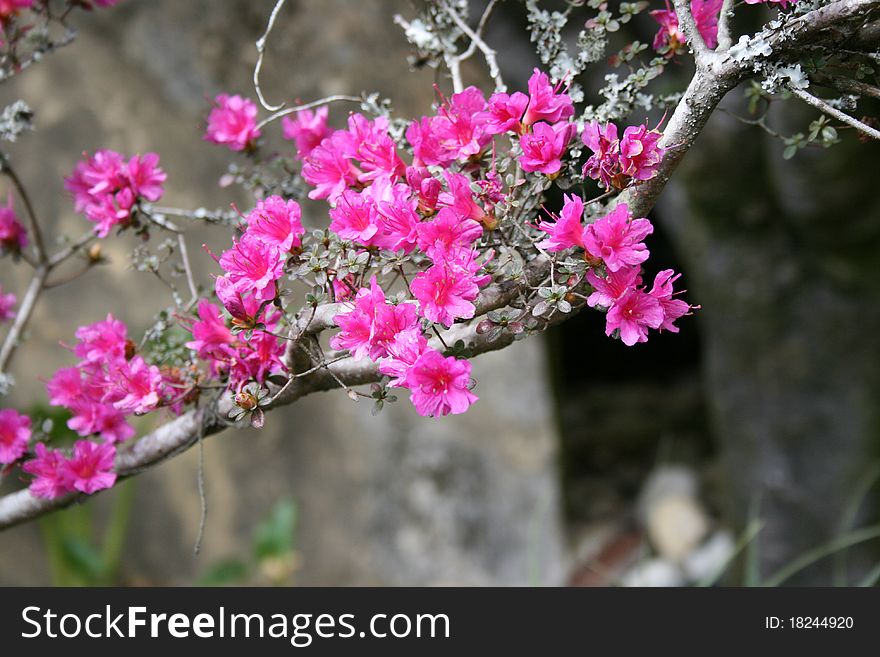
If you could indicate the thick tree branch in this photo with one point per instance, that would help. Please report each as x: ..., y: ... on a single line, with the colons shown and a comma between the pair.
x: 691, y: 33
x: 833, y: 112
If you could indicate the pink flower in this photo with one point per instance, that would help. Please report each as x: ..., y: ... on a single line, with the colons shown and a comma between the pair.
x: 144, y: 177
x: 388, y: 322
x: 91, y: 417
x: 460, y: 198
x: 138, y: 386
x: 705, y: 13
x: 639, y: 153
x: 232, y: 123
x: 15, y: 432
x: 90, y: 469
x: 65, y: 387
x: 567, y: 231
x: 398, y: 220
x: 343, y: 289
x: 446, y: 292
x: 543, y: 147
x: 356, y: 325
x: 355, y: 217
x: 545, y: 101
x: 13, y: 236
x: 242, y: 308
x: 277, y: 222
x: 440, y: 385
x: 103, y: 341
x: 51, y: 478
x: 402, y: 353
x: 329, y: 169
x: 426, y: 186
x: 374, y: 148
x: 505, y: 112
x: 603, y: 164
x: 608, y: 290
x: 457, y: 133
x: 672, y: 308
x: 253, y: 265
x: 307, y: 130
x: 7, y: 306
x: 633, y: 314
x: 616, y: 239
x: 211, y: 337
x: 9, y: 8
x: 446, y: 232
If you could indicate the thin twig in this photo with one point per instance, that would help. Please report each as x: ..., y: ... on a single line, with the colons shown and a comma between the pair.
x: 725, y: 38
x: 261, y: 50
x: 34, y: 289
x: 476, y: 40
x: 36, y: 232
x: 833, y: 112
x: 71, y: 249
x: 689, y: 28
x: 187, y: 268
x: 314, y: 103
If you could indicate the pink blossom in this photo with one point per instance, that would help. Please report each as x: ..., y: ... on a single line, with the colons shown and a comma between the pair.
x: 460, y: 197
x: 705, y: 13
x: 138, y: 386
x: 356, y: 325
x: 103, y: 341
x: 398, y: 219
x: 92, y: 417
x: 402, y: 353
x: 307, y: 129
x: 458, y: 132
x: 242, y: 308
x: 567, y: 231
x: 253, y: 266
x: 328, y: 167
x: 426, y: 186
x: 374, y: 148
x: 15, y: 432
x: 7, y: 306
x: 233, y: 122
x: 276, y: 221
x: 543, y: 147
x: 603, y: 164
x: 447, y: 231
x: 639, y: 153
x: 505, y: 112
x: 90, y: 469
x: 13, y: 236
x: 440, y: 385
x: 545, y: 101
x: 9, y: 8
x: 388, y: 322
x: 51, y: 478
x: 144, y: 177
x: 616, y: 239
x: 633, y: 314
x: 355, y: 217
x: 672, y: 308
x: 211, y: 337
x: 609, y: 289
x: 343, y: 289
x: 446, y: 292
x: 65, y: 387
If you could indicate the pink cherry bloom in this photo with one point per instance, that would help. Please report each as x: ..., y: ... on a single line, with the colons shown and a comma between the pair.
x: 307, y: 130
x: 7, y: 306
x: 616, y: 239
x: 633, y: 314
x: 705, y: 13
x: 446, y: 292
x: 212, y: 339
x: 277, y: 222
x: 445, y: 232
x: 103, y: 341
x: 242, y: 308
x: 603, y: 164
x: 567, y: 231
x: 672, y: 308
x: 543, y: 147
x: 138, y: 386
x: 329, y: 169
x: 440, y: 385
x: 426, y: 186
x: 13, y: 236
x: 15, y: 432
x: 402, y: 353
x: 355, y: 217
x: 233, y: 123
x: 608, y: 290
x: 9, y: 8
x: 374, y: 148
x: 639, y: 153
x: 90, y: 469
x: 505, y: 112
x: 253, y: 266
x: 51, y: 478
x: 545, y: 101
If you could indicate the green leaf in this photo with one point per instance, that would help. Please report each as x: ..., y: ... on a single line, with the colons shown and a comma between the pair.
x: 274, y: 537
x: 83, y: 558
x: 224, y: 573
x: 789, y: 152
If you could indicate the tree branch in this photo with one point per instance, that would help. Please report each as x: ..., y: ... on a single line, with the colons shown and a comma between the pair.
x: 691, y: 33
x: 833, y: 112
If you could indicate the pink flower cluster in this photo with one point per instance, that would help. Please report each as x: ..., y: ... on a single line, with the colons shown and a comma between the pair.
x: 391, y: 335
x: 7, y: 306
x: 108, y: 383
x: 106, y: 188
x: 232, y: 122
x: 307, y: 130
x: 705, y: 12
x: 614, y: 161
x: 15, y: 432
x: 87, y: 470
x: 13, y: 237
x: 614, y: 243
